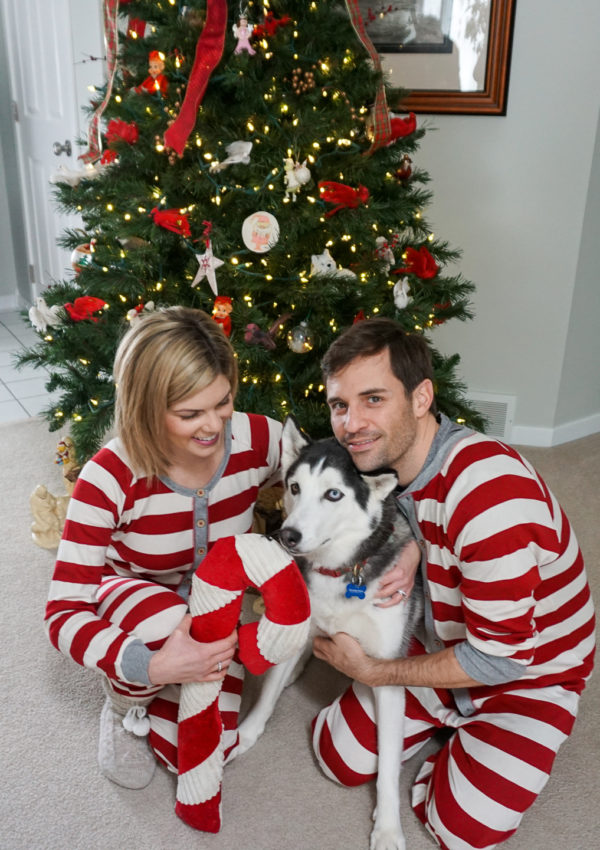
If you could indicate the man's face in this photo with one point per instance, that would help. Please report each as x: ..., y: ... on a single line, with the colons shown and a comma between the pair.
x: 371, y: 415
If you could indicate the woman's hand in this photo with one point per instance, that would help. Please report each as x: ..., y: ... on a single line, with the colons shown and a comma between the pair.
x: 183, y: 659
x: 396, y: 584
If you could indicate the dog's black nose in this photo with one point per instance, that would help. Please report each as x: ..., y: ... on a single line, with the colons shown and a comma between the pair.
x: 290, y: 537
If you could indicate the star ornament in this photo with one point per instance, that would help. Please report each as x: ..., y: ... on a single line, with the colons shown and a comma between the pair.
x: 207, y: 263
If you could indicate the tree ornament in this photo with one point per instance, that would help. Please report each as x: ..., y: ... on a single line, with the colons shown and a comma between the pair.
x: 84, y: 307
x: 295, y: 176
x: 122, y: 131
x: 260, y: 231
x: 344, y: 196
x: 222, y: 307
x: 300, y: 339
x: 134, y: 315
x: 73, y: 177
x: 82, y: 256
x: 303, y: 81
x: 324, y: 264
x: 401, y: 296
x: 384, y: 252
x: 255, y: 336
x: 270, y: 25
x: 420, y: 263
x: 402, y: 174
x: 42, y: 316
x: 172, y: 220
x: 155, y: 82
x: 237, y: 153
x: 207, y: 263
x: 399, y: 127
x: 243, y: 32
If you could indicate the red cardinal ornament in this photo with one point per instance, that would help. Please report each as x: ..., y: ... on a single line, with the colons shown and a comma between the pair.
x: 172, y: 220
x: 401, y: 127
x: 84, y: 307
x: 344, y: 196
x: 419, y: 263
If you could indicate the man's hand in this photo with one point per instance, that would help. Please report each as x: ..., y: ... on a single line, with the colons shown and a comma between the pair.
x: 396, y: 584
x: 183, y: 659
x: 346, y: 655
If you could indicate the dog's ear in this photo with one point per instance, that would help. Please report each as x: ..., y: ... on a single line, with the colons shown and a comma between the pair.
x: 381, y: 483
x: 293, y: 439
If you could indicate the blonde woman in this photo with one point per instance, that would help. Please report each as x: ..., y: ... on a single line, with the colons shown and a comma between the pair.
x: 184, y: 470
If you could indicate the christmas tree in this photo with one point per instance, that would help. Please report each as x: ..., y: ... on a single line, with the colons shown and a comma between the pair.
x: 249, y: 161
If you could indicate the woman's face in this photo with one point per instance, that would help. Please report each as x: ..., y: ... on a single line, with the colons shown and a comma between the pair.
x: 195, y: 426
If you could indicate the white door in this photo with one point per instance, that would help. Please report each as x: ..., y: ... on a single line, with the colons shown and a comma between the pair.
x: 46, y: 81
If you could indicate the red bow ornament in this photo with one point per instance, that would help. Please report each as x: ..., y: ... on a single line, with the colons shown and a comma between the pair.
x: 344, y: 196
x: 121, y: 131
x: 270, y: 25
x: 84, y: 307
x: 172, y: 220
x: 419, y: 263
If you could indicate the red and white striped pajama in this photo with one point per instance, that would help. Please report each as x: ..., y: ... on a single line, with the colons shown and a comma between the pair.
x: 124, y: 566
x: 506, y: 586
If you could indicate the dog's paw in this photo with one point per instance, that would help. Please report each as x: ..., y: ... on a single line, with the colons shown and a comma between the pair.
x: 387, y: 839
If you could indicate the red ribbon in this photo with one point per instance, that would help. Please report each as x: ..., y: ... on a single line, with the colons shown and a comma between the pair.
x: 111, y: 38
x: 209, y: 50
x: 381, y: 117
x: 342, y: 195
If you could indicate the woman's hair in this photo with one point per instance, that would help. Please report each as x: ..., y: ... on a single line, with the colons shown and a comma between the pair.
x: 164, y: 358
x: 410, y: 357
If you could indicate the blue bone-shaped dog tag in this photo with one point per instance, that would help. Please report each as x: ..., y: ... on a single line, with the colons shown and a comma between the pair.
x: 358, y: 590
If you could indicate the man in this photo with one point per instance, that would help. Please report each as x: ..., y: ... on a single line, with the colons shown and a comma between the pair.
x: 508, y: 637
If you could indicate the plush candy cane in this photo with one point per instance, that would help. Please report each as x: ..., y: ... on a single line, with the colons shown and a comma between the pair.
x: 232, y: 565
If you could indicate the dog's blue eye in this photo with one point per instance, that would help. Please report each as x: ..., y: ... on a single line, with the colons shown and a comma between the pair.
x: 334, y: 495
x: 294, y: 489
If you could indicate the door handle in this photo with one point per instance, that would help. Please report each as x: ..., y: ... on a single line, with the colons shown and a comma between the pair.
x: 58, y: 148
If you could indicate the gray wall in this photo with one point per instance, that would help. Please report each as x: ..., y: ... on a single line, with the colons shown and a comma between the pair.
x: 519, y: 195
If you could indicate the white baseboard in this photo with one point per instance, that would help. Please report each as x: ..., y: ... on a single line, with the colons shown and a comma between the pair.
x: 521, y: 435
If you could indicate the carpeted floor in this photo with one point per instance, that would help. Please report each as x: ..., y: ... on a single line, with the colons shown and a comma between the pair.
x: 274, y: 797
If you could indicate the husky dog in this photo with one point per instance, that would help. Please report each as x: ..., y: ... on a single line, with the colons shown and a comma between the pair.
x: 344, y: 531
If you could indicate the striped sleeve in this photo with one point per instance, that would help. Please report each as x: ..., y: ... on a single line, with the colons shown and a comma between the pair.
x: 71, y: 621
x: 501, y: 528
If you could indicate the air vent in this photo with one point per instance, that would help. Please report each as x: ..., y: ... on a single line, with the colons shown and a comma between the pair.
x: 499, y: 410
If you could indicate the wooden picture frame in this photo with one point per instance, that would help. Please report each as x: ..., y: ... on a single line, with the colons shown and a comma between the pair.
x: 429, y: 63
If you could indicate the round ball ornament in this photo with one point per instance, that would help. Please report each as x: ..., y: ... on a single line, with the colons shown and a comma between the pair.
x: 260, y: 231
x: 300, y: 339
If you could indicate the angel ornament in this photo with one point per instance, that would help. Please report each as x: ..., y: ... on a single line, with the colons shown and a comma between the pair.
x: 295, y: 176
x: 243, y: 32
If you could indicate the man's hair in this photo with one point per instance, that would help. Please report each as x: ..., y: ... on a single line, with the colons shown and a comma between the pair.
x: 161, y: 360
x: 410, y: 357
